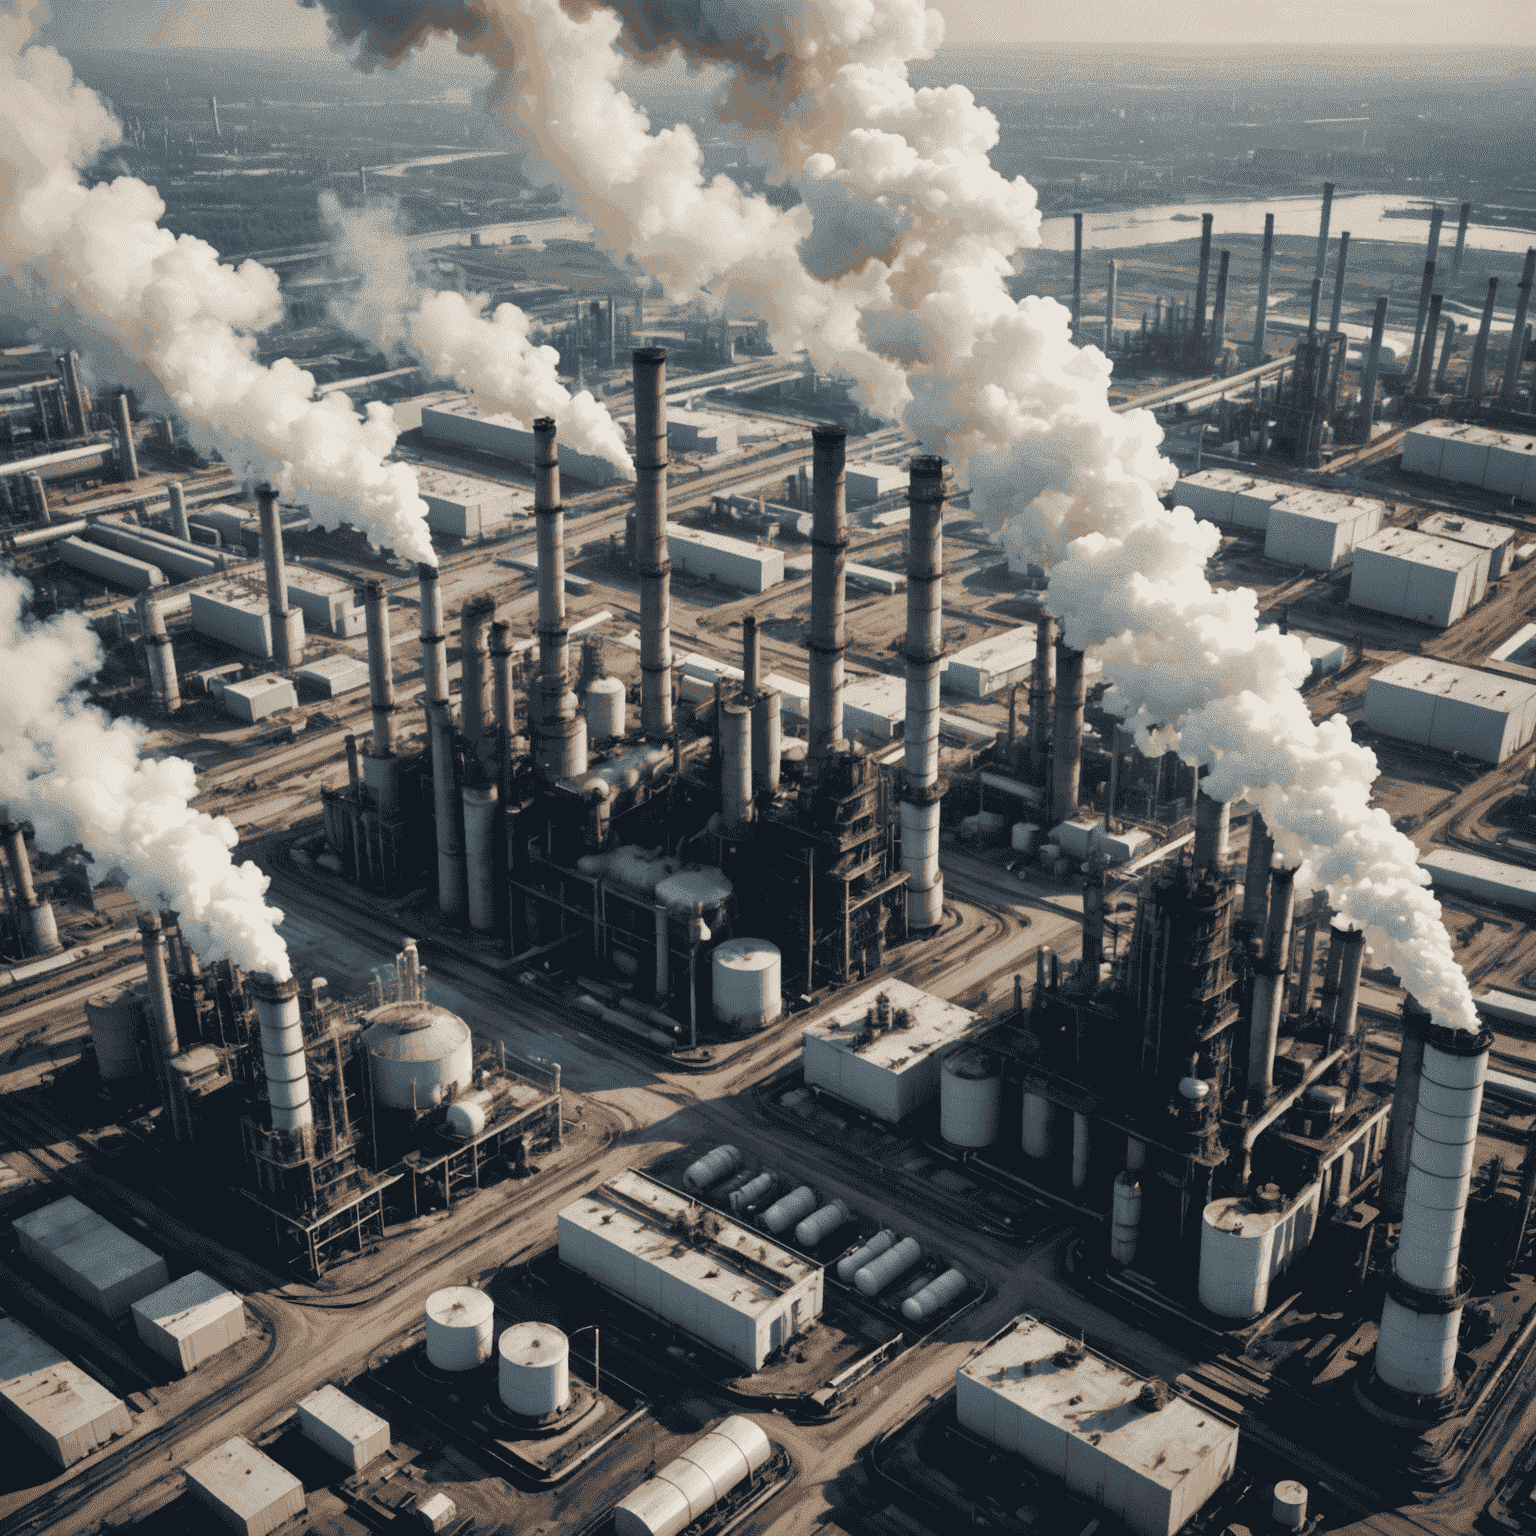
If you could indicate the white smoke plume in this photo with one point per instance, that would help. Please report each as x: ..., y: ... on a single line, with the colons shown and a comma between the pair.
x: 490, y: 355
x: 895, y: 268
x: 80, y: 777
x: 162, y: 311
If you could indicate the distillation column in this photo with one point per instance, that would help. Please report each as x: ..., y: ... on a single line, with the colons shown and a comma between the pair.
x: 652, y: 560
x: 922, y: 787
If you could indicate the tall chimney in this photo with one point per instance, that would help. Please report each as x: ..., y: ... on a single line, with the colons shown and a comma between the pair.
x: 448, y: 813
x: 1042, y: 696
x: 1317, y: 297
x: 561, y: 736
x: 1067, y: 735
x: 1109, y: 308
x: 652, y: 559
x: 1425, y: 289
x: 1421, y: 1315
x: 1269, y: 983
x: 179, y: 525
x: 767, y: 741
x: 44, y: 934
x: 157, y: 643
x: 1344, y: 1019
x: 474, y: 665
x: 1416, y: 1025
x: 1213, y: 820
x: 287, y: 646
x: 1261, y: 854
x: 922, y: 788
x: 480, y: 806
x: 127, y: 455
x: 1436, y: 220
x: 751, y: 657
x: 162, y: 1020
x: 829, y: 557
x: 1266, y: 261
x: 1338, y: 284
x: 1372, y: 370
x: 501, y: 704
x: 1322, y: 232
x: 282, y: 1054
x: 1446, y: 348
x: 1515, y: 357
x: 1219, y: 316
x: 1203, y: 281
x: 381, y: 672
x: 1077, y: 274
x: 1477, y: 371
x: 78, y: 417
x: 735, y: 768
x: 1427, y: 351
x: 434, y: 640
x: 1461, y: 243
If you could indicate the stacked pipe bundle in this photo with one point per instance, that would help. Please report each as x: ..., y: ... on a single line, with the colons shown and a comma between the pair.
x: 829, y: 559
x: 652, y: 561
x: 561, y: 734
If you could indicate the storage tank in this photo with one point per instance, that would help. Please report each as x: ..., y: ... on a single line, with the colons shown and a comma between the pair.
x: 605, y: 709
x: 1025, y: 837
x: 1126, y: 1228
x: 420, y: 1046
x: 686, y: 1488
x: 533, y: 1372
x: 821, y: 1224
x: 639, y: 870
x: 460, y: 1322
x: 752, y: 1192
x: 934, y: 1296
x: 711, y: 1168
x: 696, y: 892
x: 747, y: 983
x: 1288, y: 1505
x: 794, y: 1207
x: 882, y: 1242
x: 468, y: 1114
x: 970, y: 1099
x: 891, y: 1265
x: 114, y: 1019
x: 1039, y: 1124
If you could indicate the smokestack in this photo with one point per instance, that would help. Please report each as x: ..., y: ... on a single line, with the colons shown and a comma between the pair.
x: 1344, y: 1017
x: 1266, y: 261
x: 1425, y: 287
x: 1421, y: 1315
x: 1077, y: 274
x: 434, y: 640
x: 922, y: 787
x: 44, y: 934
x: 448, y: 812
x: 282, y: 1054
x: 1372, y: 370
x: 480, y: 805
x: 127, y: 456
x: 1338, y: 284
x: 381, y: 672
x: 751, y: 657
x: 1515, y: 357
x: 1416, y: 1025
x: 767, y: 741
x: 1427, y: 351
x: 1445, y: 355
x: 501, y: 704
x: 561, y: 737
x: 829, y: 558
x: 38, y: 497
x: 213, y: 107
x: 179, y: 525
x: 1203, y: 282
x: 735, y: 769
x: 1461, y: 243
x: 1317, y: 298
x: 1269, y: 983
x: 1092, y: 969
x: 1477, y: 372
x: 157, y: 645
x: 474, y: 664
x: 287, y: 623
x: 1213, y: 820
x: 1109, y: 308
x: 162, y: 1020
x: 652, y: 560
x: 1042, y: 696
x: 1067, y: 737
x: 1219, y: 317
x: 1436, y: 220
x: 1261, y: 854
x: 78, y: 416
x: 1322, y: 232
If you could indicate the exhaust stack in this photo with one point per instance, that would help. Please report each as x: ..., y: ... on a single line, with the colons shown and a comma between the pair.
x: 44, y: 929
x: 1203, y: 282
x: 1426, y: 287
x: 1461, y: 242
x: 287, y: 623
x: 829, y: 558
x: 1427, y: 351
x: 1515, y: 357
x: 562, y: 730
x: 1261, y: 853
x: 1322, y: 231
x: 1269, y: 984
x: 380, y: 768
x: 1477, y: 371
x: 1372, y: 371
x: 1077, y: 275
x: 735, y: 769
x: 1346, y: 1002
x: 652, y: 560
x: 923, y: 789
x: 79, y: 416
x: 160, y: 653
x: 1416, y: 1026
x: 1213, y: 820
x: 179, y: 524
x: 434, y: 639
x: 282, y: 1054
x: 122, y: 424
x: 1219, y: 316
x: 162, y: 1019
x: 475, y: 619
x: 1042, y: 694
x: 1067, y: 743
x: 447, y: 806
x: 1338, y: 284
x: 1266, y: 262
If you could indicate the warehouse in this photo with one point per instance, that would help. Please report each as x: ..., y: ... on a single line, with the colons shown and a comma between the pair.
x: 181, y: 563
x: 466, y: 426
x: 108, y: 565
x: 1319, y: 529
x: 466, y: 508
x: 342, y: 1428
x: 1497, y: 540
x: 334, y: 675
x: 1501, y: 462
x: 991, y: 664
x: 1455, y: 709
x: 884, y: 1050
x: 245, y: 1489
x: 237, y: 614
x: 752, y: 567
x: 869, y: 482
x: 329, y: 603
x: 190, y: 1320
x: 63, y: 1411
x: 1144, y: 1454
x: 700, y: 431
x: 1510, y: 885
x: 86, y: 1253
x: 875, y: 706
x: 239, y: 526
x: 1230, y: 497
x: 722, y: 1284
x: 254, y: 698
x: 1417, y: 576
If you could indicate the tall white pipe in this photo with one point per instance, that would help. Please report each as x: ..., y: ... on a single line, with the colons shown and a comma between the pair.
x: 1067, y: 734
x: 434, y: 638
x: 282, y: 1052
x: 127, y: 455
x: 179, y: 524
x: 475, y: 620
x: 448, y: 811
x: 922, y: 787
x: 561, y: 745
x: 287, y: 648
x: 652, y: 561
x: 44, y: 934
x: 735, y: 768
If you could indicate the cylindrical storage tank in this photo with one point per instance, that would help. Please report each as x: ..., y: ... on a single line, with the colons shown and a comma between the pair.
x: 1236, y: 1243
x: 604, y: 708
x: 970, y: 1099
x: 752, y: 1192
x: 1288, y: 1505
x: 934, y: 1296
x: 417, y: 1046
x: 697, y: 892
x: 747, y: 983
x: 466, y: 1117
x: 685, y: 1489
x: 990, y: 826
x: 881, y: 1242
x: 533, y: 1372
x: 1025, y: 837
x: 711, y: 1168
x: 1126, y: 1226
x: 480, y: 855
x: 795, y: 1206
x: 878, y: 1273
x: 821, y: 1224
x: 1039, y: 1124
x: 460, y: 1323
x: 114, y: 1020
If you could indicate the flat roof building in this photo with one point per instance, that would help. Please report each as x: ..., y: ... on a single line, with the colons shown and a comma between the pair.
x: 1319, y: 529
x: 1435, y: 703
x: 1494, y: 537
x: 245, y: 1488
x: 992, y: 664
x: 876, y: 705
x: 466, y: 508
x: 725, y: 1285
x: 869, y: 482
x: 1503, y: 463
x: 496, y: 433
x: 1453, y: 869
x: 752, y: 567
x: 333, y: 676
x: 1228, y: 496
x: 343, y: 1428
x: 234, y: 610
x: 190, y: 1320
x: 63, y: 1411
x: 257, y: 697
x: 1417, y: 576
x: 700, y: 431
x: 329, y: 603
x: 106, y: 1268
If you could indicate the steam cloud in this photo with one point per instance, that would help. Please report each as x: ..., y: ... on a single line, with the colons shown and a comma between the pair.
x: 80, y: 777
x: 164, y: 312
x: 489, y: 355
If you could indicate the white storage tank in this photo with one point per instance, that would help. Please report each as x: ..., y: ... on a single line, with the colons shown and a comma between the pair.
x: 605, y: 709
x: 467, y: 1115
x: 821, y: 1224
x: 1126, y: 1228
x: 1038, y: 1126
x: 114, y: 1019
x: 794, y: 1207
x: 970, y: 1099
x: 1288, y: 1505
x: 417, y: 1054
x: 882, y: 1242
x: 460, y: 1323
x: 1245, y: 1244
x: 747, y: 983
x: 696, y: 892
x: 711, y: 1168
x: 934, y: 1296
x: 752, y: 1192
x: 891, y: 1265
x: 533, y: 1373
x: 685, y: 1489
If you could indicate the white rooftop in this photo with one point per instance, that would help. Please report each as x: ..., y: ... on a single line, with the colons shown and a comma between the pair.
x: 935, y: 1023
x: 46, y: 1386
x: 244, y: 1480
x: 185, y: 1305
x: 255, y: 687
x: 333, y: 1408
x: 1329, y: 506
x: 1420, y: 548
x: 1014, y: 646
x: 1444, y: 679
x: 86, y: 1243
x: 720, y: 541
x: 1466, y: 530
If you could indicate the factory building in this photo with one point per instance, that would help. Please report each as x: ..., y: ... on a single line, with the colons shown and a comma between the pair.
x: 1418, y: 576
x: 86, y: 1254
x: 329, y: 603
x: 343, y: 1428
x: 869, y: 482
x: 992, y: 664
x: 190, y: 1320
x: 706, y: 432
x: 1501, y: 462
x: 108, y: 565
x: 1143, y: 1454
x: 461, y: 507
x: 237, y: 611
x: 1485, y: 879
x: 254, y: 698
x: 464, y: 425
x: 244, y: 1489
x: 1437, y: 704
x: 333, y: 676
x: 1318, y: 529
x: 1227, y: 496
x: 752, y: 567
x: 722, y: 1284
x: 57, y: 1406
x: 1493, y: 537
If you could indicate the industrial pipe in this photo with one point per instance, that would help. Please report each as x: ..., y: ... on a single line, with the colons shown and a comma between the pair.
x: 1067, y: 737
x: 1372, y: 370
x: 1427, y: 351
x: 1042, y: 696
x: 45, y: 931
x: 922, y: 788
x: 448, y: 811
x: 652, y: 560
x: 751, y: 657
x: 767, y: 741
x: 287, y: 647
x: 1213, y: 820
x: 162, y: 1021
x: 560, y: 733
x: 1261, y: 853
x: 1461, y: 243
x: 178, y: 499
x: 1322, y: 231
x: 1266, y: 261
x: 1477, y: 372
x: 1269, y: 984
x: 1317, y: 298
x: 127, y: 456
x: 1338, y: 284
x: 829, y: 559
x: 480, y: 855
x: 1203, y: 281
x: 381, y: 677
x: 501, y: 704
x: 282, y: 1054
x: 1515, y: 357
x: 735, y: 769
x: 1416, y: 1025
x: 1346, y: 1004
x: 1445, y: 356
x: 434, y: 639
x: 1077, y: 274
x: 158, y: 647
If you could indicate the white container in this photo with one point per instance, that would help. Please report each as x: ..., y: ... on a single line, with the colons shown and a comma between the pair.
x: 970, y: 1099
x: 934, y: 1296
x: 114, y: 1020
x: 696, y: 1481
x: 460, y: 1324
x: 821, y: 1224
x: 605, y: 709
x: 696, y: 892
x: 711, y: 1168
x: 752, y: 1192
x: 882, y: 1242
x: 747, y: 983
x: 1288, y: 1505
x: 342, y: 1428
x: 533, y: 1373
x: 466, y: 1117
x: 1025, y: 837
x: 1243, y: 1249
x: 190, y: 1320
x: 417, y: 1054
x: 878, y: 1273
x: 1126, y: 1227
x: 794, y: 1207
x: 64, y: 1412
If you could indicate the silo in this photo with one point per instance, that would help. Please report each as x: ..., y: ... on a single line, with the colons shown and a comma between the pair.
x: 605, y: 709
x: 114, y: 1020
x: 747, y: 986
x: 970, y: 1099
x: 460, y: 1324
x: 417, y: 1052
x: 533, y: 1372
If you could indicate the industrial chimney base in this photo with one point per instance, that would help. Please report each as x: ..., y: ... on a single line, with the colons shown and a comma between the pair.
x: 1404, y: 1410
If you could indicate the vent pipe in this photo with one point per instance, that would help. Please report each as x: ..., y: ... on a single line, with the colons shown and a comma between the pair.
x: 1067, y: 743
x: 1042, y: 696
x: 1109, y: 304
x: 1426, y: 287
x: 1372, y: 371
x: 561, y: 734
x: 1515, y: 357
x: 122, y: 422
x: 735, y: 769
x: 829, y: 558
x: 179, y: 524
x: 1322, y: 231
x: 1269, y: 984
x: 282, y: 1053
x: 44, y: 929
x: 1219, y: 317
x: 1477, y: 371
x: 652, y: 560
x: 1261, y: 853
x: 1266, y: 262
x: 1416, y: 1025
x: 1338, y: 284
x: 1203, y: 281
x: 922, y: 788
x: 287, y: 623
x: 381, y: 769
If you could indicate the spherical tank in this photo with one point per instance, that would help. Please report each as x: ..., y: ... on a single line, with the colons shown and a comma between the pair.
x: 460, y: 1325
x: 605, y: 708
x: 533, y: 1373
x: 420, y: 1046
x: 747, y: 985
x: 114, y: 1020
x: 699, y: 892
x: 970, y: 1099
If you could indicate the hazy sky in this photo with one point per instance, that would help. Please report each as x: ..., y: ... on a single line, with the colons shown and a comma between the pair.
x: 1094, y: 23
